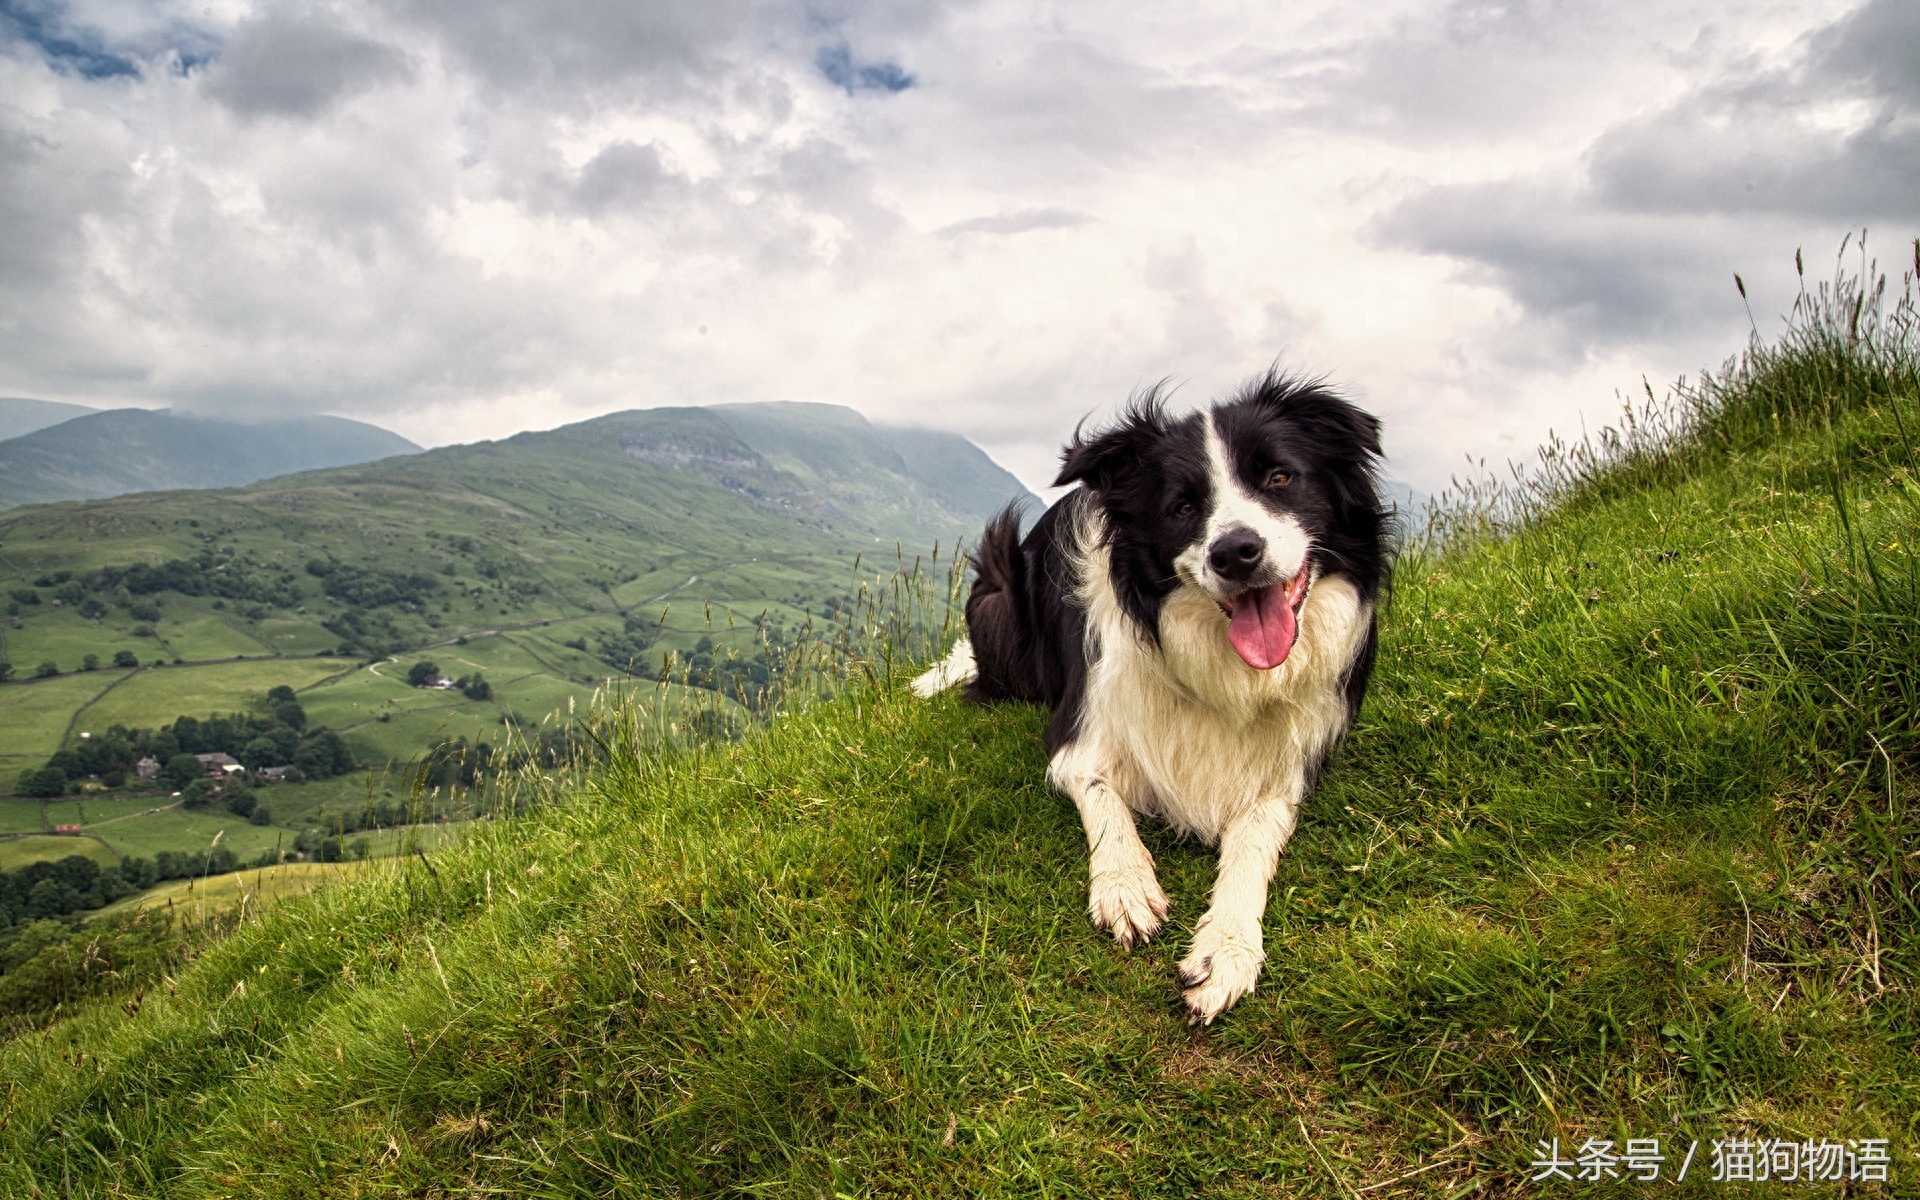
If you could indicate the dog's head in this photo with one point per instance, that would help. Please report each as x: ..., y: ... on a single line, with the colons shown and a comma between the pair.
x: 1248, y: 503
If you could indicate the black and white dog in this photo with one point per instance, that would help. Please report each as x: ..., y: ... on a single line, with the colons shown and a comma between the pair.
x: 1200, y: 616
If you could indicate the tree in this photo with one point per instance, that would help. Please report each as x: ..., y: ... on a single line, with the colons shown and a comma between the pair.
x: 183, y: 769
x: 47, y: 781
x: 92, y: 608
x: 90, y: 663
x: 475, y: 687
x: 49, y: 899
x: 46, y: 670
x: 6, y: 671
x: 125, y: 658
x: 262, y: 751
x: 260, y: 815
x: 422, y: 673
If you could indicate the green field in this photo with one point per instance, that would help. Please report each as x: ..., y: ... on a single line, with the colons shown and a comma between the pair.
x: 22, y: 816
x: 189, y: 830
x: 1621, y: 846
x: 155, y: 696
x: 63, y: 637
x: 201, y: 636
x: 34, y: 716
x: 21, y: 851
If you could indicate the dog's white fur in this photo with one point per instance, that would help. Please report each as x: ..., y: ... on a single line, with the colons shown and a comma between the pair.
x: 1188, y: 732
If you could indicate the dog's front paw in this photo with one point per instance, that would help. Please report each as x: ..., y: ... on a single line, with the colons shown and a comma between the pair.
x: 1128, y: 902
x: 1222, y: 967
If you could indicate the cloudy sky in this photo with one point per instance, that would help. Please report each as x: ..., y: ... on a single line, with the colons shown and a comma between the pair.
x: 464, y: 218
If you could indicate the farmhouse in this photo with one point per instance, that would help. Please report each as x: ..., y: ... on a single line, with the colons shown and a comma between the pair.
x: 147, y: 768
x: 272, y: 774
x: 219, y: 766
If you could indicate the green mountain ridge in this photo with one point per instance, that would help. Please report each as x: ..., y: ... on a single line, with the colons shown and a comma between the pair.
x: 112, y: 453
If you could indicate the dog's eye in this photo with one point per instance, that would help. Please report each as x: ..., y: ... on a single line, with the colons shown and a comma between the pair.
x: 1183, y: 509
x: 1278, y: 478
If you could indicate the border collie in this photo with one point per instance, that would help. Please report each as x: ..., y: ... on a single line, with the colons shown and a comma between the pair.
x: 1199, y: 615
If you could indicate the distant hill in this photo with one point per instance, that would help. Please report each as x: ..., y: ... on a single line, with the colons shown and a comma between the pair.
x: 113, y: 452
x: 19, y: 415
x: 550, y: 560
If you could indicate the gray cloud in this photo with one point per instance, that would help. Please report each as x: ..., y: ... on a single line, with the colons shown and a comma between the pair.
x: 1641, y: 245
x: 582, y: 45
x: 1024, y: 220
x: 1756, y: 144
x: 294, y: 64
x: 623, y: 176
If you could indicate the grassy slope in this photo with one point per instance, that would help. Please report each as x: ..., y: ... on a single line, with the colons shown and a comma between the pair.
x: 1613, y: 852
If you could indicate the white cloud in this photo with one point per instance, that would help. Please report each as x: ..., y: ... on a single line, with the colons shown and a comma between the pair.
x: 460, y: 219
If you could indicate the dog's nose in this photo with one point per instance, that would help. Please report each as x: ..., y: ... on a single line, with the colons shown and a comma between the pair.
x: 1236, y: 554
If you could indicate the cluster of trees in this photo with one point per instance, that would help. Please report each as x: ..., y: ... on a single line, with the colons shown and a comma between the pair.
x: 628, y: 650
x: 372, y: 587
x: 457, y: 762
x: 52, y: 962
x: 231, y: 793
x: 45, y: 890
x: 369, y: 633
x: 225, y: 573
x: 277, y: 736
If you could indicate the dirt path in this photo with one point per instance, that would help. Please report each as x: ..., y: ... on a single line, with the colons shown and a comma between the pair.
x: 130, y: 816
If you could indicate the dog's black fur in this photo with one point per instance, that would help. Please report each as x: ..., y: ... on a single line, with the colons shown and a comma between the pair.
x: 1028, y: 626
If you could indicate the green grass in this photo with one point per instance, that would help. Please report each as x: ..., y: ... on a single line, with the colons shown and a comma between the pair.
x: 197, y: 900
x: 199, y: 636
x: 1622, y: 846
x: 22, y: 816
x: 190, y: 830
x: 21, y: 851
x: 63, y: 637
x: 157, y: 695
x: 34, y: 716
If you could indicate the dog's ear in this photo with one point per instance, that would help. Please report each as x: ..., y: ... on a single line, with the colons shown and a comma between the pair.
x: 1113, y: 455
x: 1323, y: 413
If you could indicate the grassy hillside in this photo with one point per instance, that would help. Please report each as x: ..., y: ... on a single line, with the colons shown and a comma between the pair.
x: 1622, y: 847
x: 550, y: 561
x: 138, y: 450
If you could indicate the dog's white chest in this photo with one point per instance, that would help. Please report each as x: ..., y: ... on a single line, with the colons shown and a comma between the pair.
x: 1195, y: 736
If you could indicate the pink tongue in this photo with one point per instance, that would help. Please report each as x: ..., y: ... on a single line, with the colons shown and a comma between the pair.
x: 1261, y: 626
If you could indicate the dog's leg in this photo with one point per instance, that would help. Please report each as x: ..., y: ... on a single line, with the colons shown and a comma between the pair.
x: 1123, y: 894
x: 1227, y: 945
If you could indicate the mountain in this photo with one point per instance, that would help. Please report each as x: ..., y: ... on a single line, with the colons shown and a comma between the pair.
x: 125, y: 450
x: 19, y: 415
